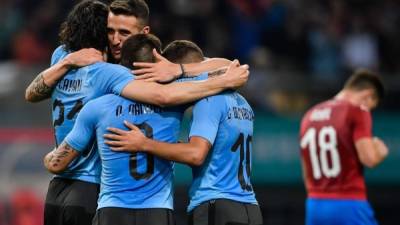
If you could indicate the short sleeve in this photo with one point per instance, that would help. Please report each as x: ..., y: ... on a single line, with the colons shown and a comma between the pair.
x: 207, y: 114
x: 58, y: 54
x: 113, y: 78
x: 84, y: 128
x: 362, y: 124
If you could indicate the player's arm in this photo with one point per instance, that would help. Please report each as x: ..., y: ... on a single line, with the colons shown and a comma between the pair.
x: 183, y: 92
x: 164, y: 70
x: 58, y: 160
x: 42, y: 86
x: 77, y: 140
x: 193, y: 153
x: 371, y: 151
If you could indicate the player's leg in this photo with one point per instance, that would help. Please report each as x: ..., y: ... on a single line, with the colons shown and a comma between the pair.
x: 254, y: 214
x: 225, y: 212
x: 363, y: 213
x: 123, y: 216
x: 81, y: 202
x: 155, y: 217
x: 114, y: 215
x: 338, y: 212
x: 53, y: 203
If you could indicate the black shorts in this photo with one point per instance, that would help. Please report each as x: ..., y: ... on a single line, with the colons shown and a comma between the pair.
x: 70, y: 202
x: 123, y: 216
x: 225, y: 212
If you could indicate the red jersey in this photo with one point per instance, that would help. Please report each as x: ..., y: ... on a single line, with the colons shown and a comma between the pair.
x: 328, y: 135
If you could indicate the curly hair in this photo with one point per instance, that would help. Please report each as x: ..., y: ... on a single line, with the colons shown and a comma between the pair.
x: 85, y: 27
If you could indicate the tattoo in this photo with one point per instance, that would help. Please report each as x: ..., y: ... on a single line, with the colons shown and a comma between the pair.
x: 218, y: 72
x: 38, y: 90
x: 58, y: 156
x: 62, y: 152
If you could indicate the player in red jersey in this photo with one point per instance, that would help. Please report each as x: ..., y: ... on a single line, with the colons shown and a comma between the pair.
x: 336, y: 143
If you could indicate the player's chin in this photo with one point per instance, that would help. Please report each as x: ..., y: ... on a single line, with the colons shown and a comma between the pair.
x: 116, y: 56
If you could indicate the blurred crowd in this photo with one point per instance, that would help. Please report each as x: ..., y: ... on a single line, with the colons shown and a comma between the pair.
x: 320, y: 40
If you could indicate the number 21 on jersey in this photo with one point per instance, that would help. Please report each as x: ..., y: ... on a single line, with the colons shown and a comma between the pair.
x: 326, y: 141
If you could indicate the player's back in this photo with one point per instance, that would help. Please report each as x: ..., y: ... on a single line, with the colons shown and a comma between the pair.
x: 135, y: 180
x: 225, y: 172
x: 330, y: 160
x: 72, y: 92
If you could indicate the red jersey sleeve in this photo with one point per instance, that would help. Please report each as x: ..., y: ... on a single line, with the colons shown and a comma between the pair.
x: 362, y: 123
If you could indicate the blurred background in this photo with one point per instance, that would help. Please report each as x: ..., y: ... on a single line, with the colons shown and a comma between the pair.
x: 300, y: 52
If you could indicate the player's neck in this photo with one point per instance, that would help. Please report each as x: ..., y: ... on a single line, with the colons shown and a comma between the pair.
x: 347, y: 96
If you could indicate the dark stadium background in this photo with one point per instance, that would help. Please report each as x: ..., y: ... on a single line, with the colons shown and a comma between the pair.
x: 300, y: 52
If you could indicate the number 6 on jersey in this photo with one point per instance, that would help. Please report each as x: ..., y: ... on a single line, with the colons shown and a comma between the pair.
x: 324, y: 140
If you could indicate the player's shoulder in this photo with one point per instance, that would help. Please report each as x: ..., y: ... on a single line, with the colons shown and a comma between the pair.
x: 107, y: 99
x: 59, y: 53
x: 106, y: 67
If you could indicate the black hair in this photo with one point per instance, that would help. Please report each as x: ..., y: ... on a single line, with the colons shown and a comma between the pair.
x: 183, y: 51
x: 137, y: 8
x: 139, y: 48
x: 85, y: 27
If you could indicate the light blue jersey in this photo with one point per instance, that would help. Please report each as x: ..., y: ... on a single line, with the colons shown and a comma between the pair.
x: 137, y: 180
x: 226, y: 121
x: 72, y: 92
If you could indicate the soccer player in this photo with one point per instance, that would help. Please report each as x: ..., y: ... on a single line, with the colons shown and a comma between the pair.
x: 125, y: 18
x: 135, y: 188
x: 336, y: 143
x: 72, y: 194
x: 219, y: 151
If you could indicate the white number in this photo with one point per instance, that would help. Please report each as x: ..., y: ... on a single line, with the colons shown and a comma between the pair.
x: 327, y: 142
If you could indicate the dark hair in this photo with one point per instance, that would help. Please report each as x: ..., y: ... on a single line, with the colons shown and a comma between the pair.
x: 137, y: 8
x: 85, y: 27
x: 364, y: 79
x: 139, y: 48
x: 183, y: 51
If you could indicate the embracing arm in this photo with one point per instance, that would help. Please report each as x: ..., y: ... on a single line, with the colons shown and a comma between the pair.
x: 58, y: 160
x: 183, y: 92
x: 165, y: 71
x: 42, y: 86
x: 192, y: 153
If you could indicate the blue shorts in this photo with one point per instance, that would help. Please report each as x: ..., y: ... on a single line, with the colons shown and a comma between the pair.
x: 339, y: 212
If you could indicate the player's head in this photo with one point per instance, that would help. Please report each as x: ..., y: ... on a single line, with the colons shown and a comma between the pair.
x: 183, y: 51
x: 139, y: 48
x: 367, y: 88
x: 126, y: 18
x: 85, y: 27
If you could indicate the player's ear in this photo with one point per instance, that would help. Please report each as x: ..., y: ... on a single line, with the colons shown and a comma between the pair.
x: 145, y: 30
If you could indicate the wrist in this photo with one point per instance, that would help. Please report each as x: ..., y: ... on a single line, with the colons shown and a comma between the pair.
x: 146, y: 143
x: 66, y: 63
x: 178, y: 70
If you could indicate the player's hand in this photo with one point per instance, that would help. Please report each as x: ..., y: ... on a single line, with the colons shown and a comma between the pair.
x: 162, y: 71
x: 84, y: 57
x: 126, y: 141
x: 381, y: 147
x: 236, y: 75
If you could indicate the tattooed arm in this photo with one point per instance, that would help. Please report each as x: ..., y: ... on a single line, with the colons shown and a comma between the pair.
x: 42, y: 86
x: 58, y: 160
x: 38, y: 90
x: 218, y: 72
